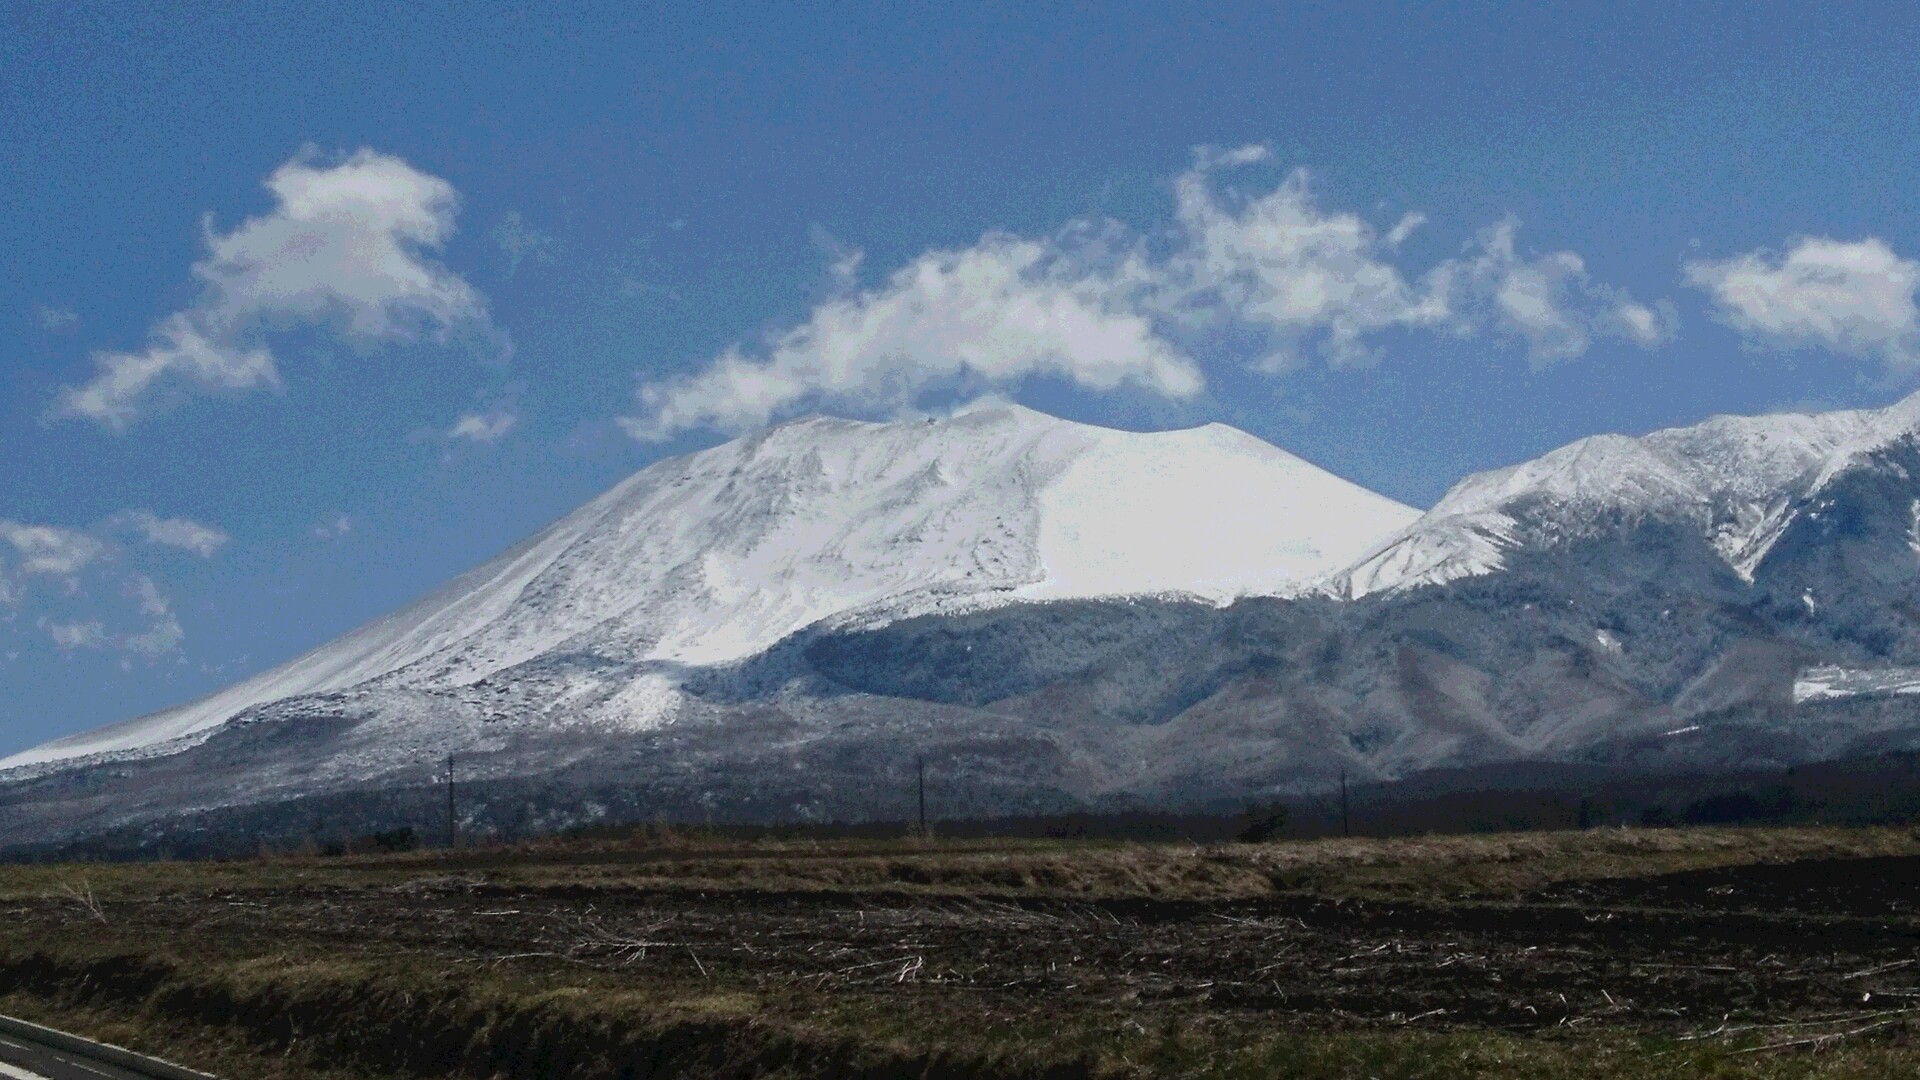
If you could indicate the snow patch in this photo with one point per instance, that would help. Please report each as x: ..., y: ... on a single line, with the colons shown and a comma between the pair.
x: 1212, y: 512
x: 1828, y: 682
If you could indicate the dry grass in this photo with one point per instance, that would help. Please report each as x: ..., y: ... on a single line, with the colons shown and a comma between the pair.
x: 1509, y: 864
x: 1439, y: 867
x: 520, y: 962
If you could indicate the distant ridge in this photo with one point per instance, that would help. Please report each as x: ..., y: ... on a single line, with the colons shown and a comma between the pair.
x: 1738, y: 480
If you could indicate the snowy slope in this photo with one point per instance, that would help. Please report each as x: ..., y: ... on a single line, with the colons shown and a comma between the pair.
x: 713, y: 557
x: 1737, y: 480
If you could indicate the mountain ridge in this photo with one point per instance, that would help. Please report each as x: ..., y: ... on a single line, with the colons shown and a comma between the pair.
x: 1737, y: 478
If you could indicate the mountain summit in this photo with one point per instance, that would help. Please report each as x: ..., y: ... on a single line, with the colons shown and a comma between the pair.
x: 708, y: 559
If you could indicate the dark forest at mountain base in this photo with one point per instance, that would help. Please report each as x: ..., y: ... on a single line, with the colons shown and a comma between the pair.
x: 1882, y: 790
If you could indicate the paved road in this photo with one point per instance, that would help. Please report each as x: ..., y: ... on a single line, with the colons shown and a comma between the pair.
x: 23, y: 1058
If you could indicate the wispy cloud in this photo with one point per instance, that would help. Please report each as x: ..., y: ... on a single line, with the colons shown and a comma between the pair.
x: 1856, y: 298
x: 338, y: 524
x: 1405, y: 227
x: 75, y: 635
x: 56, y: 319
x: 79, y: 560
x: 1549, y: 301
x: 1102, y: 306
x: 182, y: 533
x: 519, y: 241
x: 51, y: 549
x: 843, y: 260
x: 483, y: 427
x: 163, y: 635
x: 345, y: 248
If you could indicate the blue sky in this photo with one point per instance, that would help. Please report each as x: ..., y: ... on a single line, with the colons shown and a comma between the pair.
x: 310, y: 306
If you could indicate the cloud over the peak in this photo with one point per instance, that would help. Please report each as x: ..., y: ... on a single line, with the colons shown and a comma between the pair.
x: 1857, y: 298
x: 1271, y: 273
x: 346, y: 248
x: 1002, y: 310
x: 1279, y: 262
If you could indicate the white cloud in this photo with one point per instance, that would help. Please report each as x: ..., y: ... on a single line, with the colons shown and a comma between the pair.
x: 337, y: 525
x: 182, y: 533
x: 1856, y: 298
x: 344, y: 248
x: 1407, y: 224
x: 54, y: 319
x: 1277, y: 261
x: 177, y: 347
x: 1101, y: 306
x: 50, y: 549
x: 994, y: 313
x: 75, y: 635
x: 1206, y: 158
x: 1646, y: 326
x: 483, y: 427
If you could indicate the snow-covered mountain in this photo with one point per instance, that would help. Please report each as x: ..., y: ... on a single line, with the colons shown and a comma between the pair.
x: 705, y: 560
x: 1738, y: 482
x: 1062, y: 617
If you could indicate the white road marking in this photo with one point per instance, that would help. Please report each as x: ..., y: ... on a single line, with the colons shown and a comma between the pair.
x: 17, y: 1073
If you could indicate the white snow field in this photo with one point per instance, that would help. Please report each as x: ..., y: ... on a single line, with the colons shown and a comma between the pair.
x: 713, y: 557
x: 1738, y: 479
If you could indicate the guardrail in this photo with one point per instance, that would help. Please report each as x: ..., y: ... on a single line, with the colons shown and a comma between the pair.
x: 98, y: 1051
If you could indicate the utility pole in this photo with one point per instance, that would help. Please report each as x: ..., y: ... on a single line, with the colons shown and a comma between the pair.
x: 452, y: 822
x: 1346, y: 825
x: 921, y: 762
